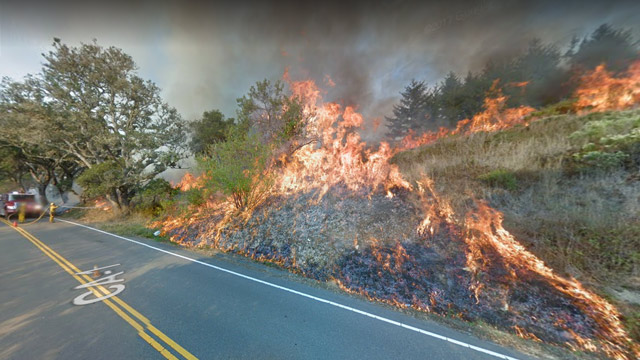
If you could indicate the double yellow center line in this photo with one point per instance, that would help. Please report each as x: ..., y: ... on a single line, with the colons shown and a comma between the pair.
x: 126, y: 312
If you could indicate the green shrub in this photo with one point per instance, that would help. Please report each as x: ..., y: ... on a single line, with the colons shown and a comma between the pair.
x: 606, y: 140
x: 101, y: 179
x: 609, y: 130
x: 237, y: 168
x: 559, y: 108
x: 194, y: 196
x: 622, y: 141
x: 500, y: 178
x: 154, y: 197
x: 601, y: 160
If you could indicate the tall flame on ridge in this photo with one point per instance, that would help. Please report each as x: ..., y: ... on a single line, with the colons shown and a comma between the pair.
x: 600, y: 90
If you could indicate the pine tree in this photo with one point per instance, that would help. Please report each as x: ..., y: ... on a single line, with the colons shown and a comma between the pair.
x: 614, y: 47
x: 411, y: 113
x: 450, y: 99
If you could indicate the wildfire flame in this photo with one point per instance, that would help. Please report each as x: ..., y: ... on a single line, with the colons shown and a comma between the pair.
x: 600, y: 90
x: 102, y: 204
x: 495, y: 116
x: 485, y: 231
x: 339, y: 156
x: 188, y: 182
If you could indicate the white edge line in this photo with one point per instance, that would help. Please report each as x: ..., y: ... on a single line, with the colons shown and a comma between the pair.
x: 329, y: 302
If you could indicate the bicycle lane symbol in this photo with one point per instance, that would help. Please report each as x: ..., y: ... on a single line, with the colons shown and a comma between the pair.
x: 110, y: 280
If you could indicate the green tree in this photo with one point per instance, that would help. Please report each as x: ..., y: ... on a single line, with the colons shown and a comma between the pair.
x: 540, y: 66
x: 106, y: 115
x: 13, y: 166
x: 101, y: 178
x: 211, y: 128
x: 450, y: 99
x: 614, y: 47
x: 412, y: 113
x: 153, y: 196
x: 25, y: 127
x: 268, y: 110
x: 473, y: 93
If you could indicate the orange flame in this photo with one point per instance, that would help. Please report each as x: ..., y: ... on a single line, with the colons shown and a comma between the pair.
x: 485, y: 231
x: 188, y: 182
x: 102, y: 204
x: 600, y: 90
x: 339, y: 156
x: 494, y: 117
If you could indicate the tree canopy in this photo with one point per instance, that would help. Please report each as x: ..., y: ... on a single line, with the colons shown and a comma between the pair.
x: 211, y: 128
x: 88, y: 106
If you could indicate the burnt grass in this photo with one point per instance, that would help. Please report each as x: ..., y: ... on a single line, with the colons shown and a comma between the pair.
x: 370, y: 245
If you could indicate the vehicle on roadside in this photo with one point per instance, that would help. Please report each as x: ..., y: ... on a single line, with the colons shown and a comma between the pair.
x: 10, y: 204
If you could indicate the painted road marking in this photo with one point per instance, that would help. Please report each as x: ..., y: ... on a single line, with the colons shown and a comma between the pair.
x: 312, y: 297
x: 99, y: 291
x: 109, y: 279
x: 90, y: 271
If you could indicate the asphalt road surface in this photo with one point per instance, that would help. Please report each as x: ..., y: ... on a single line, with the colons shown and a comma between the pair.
x: 173, y: 303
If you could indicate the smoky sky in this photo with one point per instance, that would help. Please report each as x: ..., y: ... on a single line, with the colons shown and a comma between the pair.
x: 205, y: 55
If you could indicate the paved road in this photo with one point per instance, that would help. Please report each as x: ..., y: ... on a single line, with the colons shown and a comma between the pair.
x: 217, y: 307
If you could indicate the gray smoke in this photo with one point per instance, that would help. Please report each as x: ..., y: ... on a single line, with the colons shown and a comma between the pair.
x: 205, y: 56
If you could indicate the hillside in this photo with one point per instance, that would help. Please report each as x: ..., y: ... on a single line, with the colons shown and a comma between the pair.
x: 424, y: 229
x: 525, y: 220
x: 569, y: 189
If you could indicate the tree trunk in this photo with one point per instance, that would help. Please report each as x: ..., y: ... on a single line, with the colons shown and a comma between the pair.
x: 113, y: 200
x: 23, y: 185
x: 42, y: 191
x: 61, y: 192
x: 123, y: 199
x: 41, y: 185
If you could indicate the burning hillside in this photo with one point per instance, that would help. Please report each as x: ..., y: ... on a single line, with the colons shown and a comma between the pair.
x: 338, y: 210
x: 598, y: 90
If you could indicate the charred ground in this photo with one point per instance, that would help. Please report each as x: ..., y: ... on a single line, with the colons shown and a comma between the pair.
x: 368, y: 244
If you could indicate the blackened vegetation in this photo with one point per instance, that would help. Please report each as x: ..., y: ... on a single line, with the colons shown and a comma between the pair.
x: 368, y: 243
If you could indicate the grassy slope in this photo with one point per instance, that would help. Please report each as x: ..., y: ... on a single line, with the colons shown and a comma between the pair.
x: 568, y: 186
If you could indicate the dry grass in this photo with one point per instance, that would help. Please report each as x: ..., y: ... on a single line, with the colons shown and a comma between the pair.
x: 456, y: 164
x: 544, y: 201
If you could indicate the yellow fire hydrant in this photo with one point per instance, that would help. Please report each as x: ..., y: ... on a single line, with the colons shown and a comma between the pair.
x: 52, y: 210
x: 22, y: 210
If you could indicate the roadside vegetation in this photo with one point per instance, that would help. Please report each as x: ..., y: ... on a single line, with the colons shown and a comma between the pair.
x: 136, y: 224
